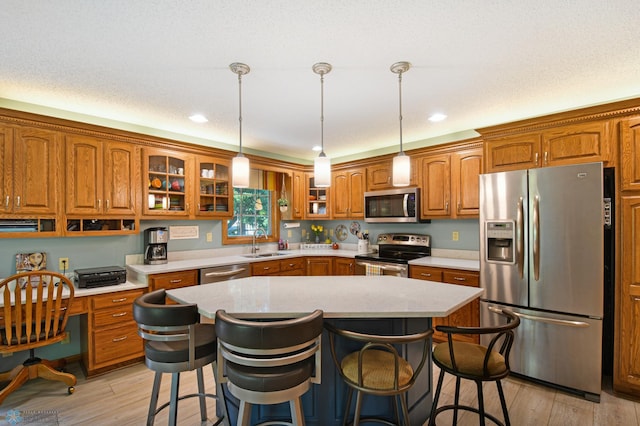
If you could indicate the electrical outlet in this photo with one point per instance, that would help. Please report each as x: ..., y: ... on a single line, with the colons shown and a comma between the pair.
x: 209, y: 237
x: 63, y: 263
x: 455, y: 235
x: 289, y: 233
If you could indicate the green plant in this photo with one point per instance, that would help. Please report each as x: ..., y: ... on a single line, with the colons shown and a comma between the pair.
x: 283, y: 202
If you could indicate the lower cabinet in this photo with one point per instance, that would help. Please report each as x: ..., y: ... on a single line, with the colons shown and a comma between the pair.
x: 109, y: 332
x: 291, y: 266
x: 468, y: 315
x: 319, y: 265
x: 343, y: 266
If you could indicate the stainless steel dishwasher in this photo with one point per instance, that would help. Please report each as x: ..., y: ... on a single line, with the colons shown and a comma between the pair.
x: 224, y: 273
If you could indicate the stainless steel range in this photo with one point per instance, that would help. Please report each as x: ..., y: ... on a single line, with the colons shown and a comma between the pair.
x: 394, y: 253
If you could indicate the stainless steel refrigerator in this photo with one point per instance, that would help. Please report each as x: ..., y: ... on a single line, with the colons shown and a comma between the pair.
x: 541, y: 238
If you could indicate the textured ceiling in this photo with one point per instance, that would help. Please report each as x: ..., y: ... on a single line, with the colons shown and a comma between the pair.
x: 153, y: 63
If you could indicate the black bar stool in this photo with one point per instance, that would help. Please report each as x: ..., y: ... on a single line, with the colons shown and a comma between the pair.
x: 475, y: 362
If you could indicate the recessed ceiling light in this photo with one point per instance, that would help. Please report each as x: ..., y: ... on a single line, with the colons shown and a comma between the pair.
x: 437, y: 117
x: 316, y: 148
x: 198, y: 118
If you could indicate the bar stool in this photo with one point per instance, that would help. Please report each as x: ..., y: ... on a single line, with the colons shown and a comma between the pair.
x: 269, y: 362
x: 175, y: 341
x: 475, y: 362
x: 378, y: 369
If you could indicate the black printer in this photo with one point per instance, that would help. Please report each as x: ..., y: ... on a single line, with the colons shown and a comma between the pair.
x: 100, y: 277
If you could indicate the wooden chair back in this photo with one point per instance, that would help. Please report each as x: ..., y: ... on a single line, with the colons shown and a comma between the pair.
x: 34, y: 308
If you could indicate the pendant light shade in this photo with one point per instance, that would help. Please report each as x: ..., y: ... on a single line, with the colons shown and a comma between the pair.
x: 402, y: 162
x: 240, y: 163
x: 322, y: 163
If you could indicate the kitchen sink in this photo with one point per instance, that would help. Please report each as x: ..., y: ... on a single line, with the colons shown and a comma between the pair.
x: 257, y: 255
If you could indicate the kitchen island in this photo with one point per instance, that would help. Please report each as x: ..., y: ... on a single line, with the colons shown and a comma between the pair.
x: 379, y: 304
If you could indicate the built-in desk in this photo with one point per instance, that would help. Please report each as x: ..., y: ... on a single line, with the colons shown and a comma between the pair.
x: 369, y: 304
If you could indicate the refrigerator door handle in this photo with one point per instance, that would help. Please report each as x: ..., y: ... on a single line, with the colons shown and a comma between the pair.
x: 520, y: 238
x: 578, y: 324
x: 536, y: 238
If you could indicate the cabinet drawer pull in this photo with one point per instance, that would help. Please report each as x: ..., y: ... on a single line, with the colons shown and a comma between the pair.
x: 119, y: 314
x: 175, y: 281
x: 119, y: 300
x: 424, y: 274
x: 291, y: 265
x: 119, y: 339
x: 459, y: 278
x: 637, y: 299
x: 266, y: 268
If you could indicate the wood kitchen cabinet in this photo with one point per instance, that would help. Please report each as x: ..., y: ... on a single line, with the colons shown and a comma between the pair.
x: 317, y: 204
x: 347, y: 199
x: 344, y: 266
x: 109, y: 332
x: 380, y: 175
x: 168, y: 183
x: 568, y: 144
x: 450, y: 184
x: 30, y: 179
x: 298, y: 194
x: 173, y: 280
x: 214, y: 194
x: 468, y: 315
x: 289, y: 266
x: 101, y: 185
x: 630, y: 153
x: 627, y: 352
x: 319, y: 265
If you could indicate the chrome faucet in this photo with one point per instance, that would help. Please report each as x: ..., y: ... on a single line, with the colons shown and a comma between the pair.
x: 254, y: 245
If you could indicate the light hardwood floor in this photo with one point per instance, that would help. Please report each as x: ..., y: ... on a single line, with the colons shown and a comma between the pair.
x: 121, y: 398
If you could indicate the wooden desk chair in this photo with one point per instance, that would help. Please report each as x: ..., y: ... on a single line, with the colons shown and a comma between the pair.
x: 34, y: 313
x: 378, y: 368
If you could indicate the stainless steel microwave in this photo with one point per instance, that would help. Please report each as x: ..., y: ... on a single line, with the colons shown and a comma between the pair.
x: 393, y: 205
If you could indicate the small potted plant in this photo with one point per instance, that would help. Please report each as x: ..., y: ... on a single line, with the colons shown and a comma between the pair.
x: 284, y: 204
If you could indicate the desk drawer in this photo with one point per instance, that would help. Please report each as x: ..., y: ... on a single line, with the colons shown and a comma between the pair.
x: 110, y: 300
x: 121, y: 342
x: 116, y: 315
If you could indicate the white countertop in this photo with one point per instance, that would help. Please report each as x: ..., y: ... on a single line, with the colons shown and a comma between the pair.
x: 446, y: 262
x: 338, y: 297
x: 209, y: 262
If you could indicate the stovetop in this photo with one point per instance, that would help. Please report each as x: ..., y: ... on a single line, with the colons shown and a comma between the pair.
x: 399, y: 248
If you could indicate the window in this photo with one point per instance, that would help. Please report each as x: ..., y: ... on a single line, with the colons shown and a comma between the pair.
x: 252, y: 209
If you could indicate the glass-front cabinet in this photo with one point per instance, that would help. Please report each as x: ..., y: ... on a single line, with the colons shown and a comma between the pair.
x: 167, y: 183
x: 214, y: 196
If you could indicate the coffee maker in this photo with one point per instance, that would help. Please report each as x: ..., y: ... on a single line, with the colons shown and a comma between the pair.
x: 155, y: 245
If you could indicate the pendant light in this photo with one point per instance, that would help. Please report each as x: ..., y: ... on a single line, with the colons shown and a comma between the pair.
x: 401, y: 162
x: 240, y: 164
x: 322, y: 163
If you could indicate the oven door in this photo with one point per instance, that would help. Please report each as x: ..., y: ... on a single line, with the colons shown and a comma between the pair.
x: 373, y: 268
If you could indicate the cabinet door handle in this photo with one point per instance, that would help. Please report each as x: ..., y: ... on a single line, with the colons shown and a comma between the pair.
x: 446, y: 207
x: 425, y: 274
x: 99, y: 204
x: 175, y: 281
x: 536, y: 159
x: 459, y: 207
x: 119, y: 339
x: 266, y: 268
x: 546, y: 157
x: 119, y: 314
x: 119, y: 300
x: 107, y: 202
x: 459, y: 278
x: 6, y: 202
x: 18, y: 202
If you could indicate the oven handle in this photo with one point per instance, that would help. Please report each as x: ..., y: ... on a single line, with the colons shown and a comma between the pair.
x: 383, y: 267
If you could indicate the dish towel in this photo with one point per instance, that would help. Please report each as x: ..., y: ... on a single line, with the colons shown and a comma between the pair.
x: 373, y: 269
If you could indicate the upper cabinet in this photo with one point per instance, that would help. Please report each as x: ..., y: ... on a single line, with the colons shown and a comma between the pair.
x: 214, y: 193
x: 30, y: 170
x: 450, y: 184
x: 299, y: 197
x: 568, y: 144
x: 101, y: 176
x: 380, y: 175
x: 316, y: 200
x: 630, y: 153
x: 348, y: 193
x: 167, y: 181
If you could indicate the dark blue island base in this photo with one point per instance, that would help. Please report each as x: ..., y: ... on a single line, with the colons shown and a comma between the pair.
x: 324, y: 404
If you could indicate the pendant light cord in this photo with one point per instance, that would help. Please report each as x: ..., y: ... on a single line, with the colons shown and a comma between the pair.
x: 240, y: 109
x: 322, y: 114
x: 400, y: 102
